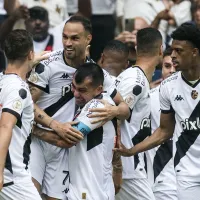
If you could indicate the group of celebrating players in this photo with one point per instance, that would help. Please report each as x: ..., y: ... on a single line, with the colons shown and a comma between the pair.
x: 71, y: 130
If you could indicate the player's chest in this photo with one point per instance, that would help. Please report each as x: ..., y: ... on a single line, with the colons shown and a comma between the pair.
x: 184, y: 98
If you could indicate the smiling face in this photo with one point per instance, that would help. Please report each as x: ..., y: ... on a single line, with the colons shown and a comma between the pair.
x: 75, y: 40
x: 85, y: 91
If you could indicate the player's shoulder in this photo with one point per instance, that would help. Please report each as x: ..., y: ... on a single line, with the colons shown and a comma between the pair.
x: 171, y: 81
x: 13, y: 82
x: 54, y: 56
x: 154, y: 90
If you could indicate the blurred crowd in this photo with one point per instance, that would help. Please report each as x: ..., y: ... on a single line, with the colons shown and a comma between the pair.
x: 119, y: 19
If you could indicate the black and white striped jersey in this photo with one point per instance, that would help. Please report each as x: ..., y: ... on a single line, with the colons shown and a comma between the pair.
x: 181, y: 97
x: 160, y: 159
x: 15, y: 98
x: 134, y: 88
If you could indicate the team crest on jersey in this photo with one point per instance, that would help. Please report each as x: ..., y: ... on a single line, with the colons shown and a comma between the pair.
x: 33, y: 78
x: 17, y: 105
x: 194, y: 94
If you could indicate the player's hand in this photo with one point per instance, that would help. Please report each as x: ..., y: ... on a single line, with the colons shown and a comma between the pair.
x: 67, y: 132
x: 121, y: 149
x: 39, y: 57
x: 1, y: 182
x: 164, y: 15
x: 20, y: 13
x: 103, y: 114
x: 126, y: 37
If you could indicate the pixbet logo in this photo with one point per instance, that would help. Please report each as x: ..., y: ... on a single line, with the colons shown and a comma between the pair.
x: 191, y: 125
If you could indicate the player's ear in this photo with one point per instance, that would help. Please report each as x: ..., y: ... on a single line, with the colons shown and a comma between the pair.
x: 31, y: 55
x: 101, y: 60
x: 195, y: 52
x: 89, y: 39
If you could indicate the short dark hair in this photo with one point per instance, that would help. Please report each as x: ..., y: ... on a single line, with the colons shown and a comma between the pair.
x: 18, y: 44
x: 148, y: 41
x: 116, y: 45
x: 188, y: 32
x: 91, y: 70
x: 83, y: 20
x: 167, y: 52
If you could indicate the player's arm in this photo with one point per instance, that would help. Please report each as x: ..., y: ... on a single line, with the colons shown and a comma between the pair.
x: 64, y: 130
x: 121, y: 111
x: 7, y: 123
x: 51, y: 137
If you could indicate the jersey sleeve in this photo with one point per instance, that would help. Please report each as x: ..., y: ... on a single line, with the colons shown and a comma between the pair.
x: 109, y: 85
x: 40, y: 76
x: 130, y: 90
x: 85, y: 126
x: 165, y: 104
x: 15, y: 100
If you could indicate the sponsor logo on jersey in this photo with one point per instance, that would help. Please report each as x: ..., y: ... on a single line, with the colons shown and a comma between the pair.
x: 64, y: 76
x: 146, y: 123
x: 191, y: 125
x: 194, y: 94
x: 179, y: 98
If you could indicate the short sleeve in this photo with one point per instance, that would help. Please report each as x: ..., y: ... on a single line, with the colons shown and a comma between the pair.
x: 165, y: 104
x: 40, y: 76
x: 85, y: 126
x: 15, y: 101
x: 109, y: 85
x: 130, y: 90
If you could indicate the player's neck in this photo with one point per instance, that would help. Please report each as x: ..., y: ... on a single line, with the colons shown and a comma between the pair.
x: 192, y: 74
x: 75, y: 62
x: 17, y: 68
x: 148, y: 65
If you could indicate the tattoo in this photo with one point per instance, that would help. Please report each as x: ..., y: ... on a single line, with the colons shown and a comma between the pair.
x: 117, y: 163
x: 39, y: 132
x: 40, y: 116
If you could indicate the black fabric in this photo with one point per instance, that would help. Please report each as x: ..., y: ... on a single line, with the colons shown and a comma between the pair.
x: 139, y: 137
x: 95, y: 138
x: 27, y: 151
x: 187, y: 137
x: 39, y: 68
x: 23, y: 93
x: 8, y: 164
x: 8, y: 184
x: 17, y: 115
x: 113, y: 94
x: 103, y: 30
x: 162, y: 157
x: 41, y: 88
x: 51, y: 110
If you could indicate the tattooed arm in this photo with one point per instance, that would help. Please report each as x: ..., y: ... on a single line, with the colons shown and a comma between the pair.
x: 50, y: 137
x: 64, y: 130
x: 117, y: 163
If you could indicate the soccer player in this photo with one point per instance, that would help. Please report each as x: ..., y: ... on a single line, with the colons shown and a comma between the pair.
x: 114, y: 58
x: 90, y: 161
x: 161, y: 169
x: 51, y: 89
x: 179, y: 101
x: 133, y: 84
x: 16, y: 120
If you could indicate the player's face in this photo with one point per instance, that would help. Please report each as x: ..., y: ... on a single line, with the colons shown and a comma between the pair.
x: 167, y: 67
x: 85, y: 92
x: 182, y: 54
x: 39, y: 28
x: 114, y: 62
x: 75, y: 40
